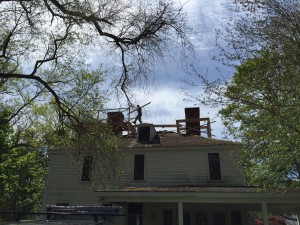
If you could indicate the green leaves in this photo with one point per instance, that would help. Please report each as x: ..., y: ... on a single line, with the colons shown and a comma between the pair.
x: 22, y: 171
x: 22, y: 179
x: 264, y: 101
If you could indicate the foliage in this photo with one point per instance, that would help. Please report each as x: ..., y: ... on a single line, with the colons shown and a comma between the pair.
x: 262, y: 108
x: 259, y: 25
x: 31, y: 128
x: 5, y: 130
x: 261, y: 101
x: 274, y: 220
x: 263, y: 113
x: 22, y: 172
x: 96, y: 139
x: 54, y: 96
x: 22, y: 180
x: 56, y: 38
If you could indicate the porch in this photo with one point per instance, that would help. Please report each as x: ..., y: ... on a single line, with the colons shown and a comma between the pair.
x: 199, y: 205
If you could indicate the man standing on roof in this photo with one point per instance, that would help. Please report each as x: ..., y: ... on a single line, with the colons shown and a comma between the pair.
x: 139, y: 115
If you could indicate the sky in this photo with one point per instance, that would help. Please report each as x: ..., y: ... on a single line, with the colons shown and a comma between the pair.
x: 166, y: 92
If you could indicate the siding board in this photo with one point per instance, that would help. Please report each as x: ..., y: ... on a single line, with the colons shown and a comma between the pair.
x: 173, y: 167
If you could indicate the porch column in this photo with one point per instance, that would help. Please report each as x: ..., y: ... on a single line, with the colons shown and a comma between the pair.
x: 265, y: 213
x: 180, y: 213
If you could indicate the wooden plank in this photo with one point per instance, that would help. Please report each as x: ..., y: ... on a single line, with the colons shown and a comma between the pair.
x: 207, y: 126
x: 165, y: 125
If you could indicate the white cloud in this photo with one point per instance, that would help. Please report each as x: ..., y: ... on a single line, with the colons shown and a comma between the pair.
x: 167, y: 103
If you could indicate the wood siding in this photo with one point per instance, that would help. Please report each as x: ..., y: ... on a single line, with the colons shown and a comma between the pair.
x: 163, y: 166
x: 64, y: 183
x: 182, y: 167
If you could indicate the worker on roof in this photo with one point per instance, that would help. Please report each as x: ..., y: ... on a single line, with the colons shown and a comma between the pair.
x: 139, y: 115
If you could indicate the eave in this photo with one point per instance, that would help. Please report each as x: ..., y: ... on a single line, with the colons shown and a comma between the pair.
x: 201, y: 195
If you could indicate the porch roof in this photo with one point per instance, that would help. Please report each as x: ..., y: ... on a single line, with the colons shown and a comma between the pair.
x: 244, y: 195
x: 196, y: 189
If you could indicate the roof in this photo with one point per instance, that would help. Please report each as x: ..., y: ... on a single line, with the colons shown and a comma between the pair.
x: 202, y: 194
x: 171, y: 139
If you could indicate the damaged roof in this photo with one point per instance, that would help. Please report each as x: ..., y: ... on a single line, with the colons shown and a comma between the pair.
x: 171, y: 139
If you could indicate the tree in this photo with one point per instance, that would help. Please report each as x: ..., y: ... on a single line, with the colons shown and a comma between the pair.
x: 263, y: 97
x: 259, y: 25
x: 27, y: 136
x: 263, y: 112
x: 53, y: 35
x: 261, y: 101
x: 22, y: 172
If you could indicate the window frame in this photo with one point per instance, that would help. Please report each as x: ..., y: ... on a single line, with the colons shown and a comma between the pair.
x: 218, y: 217
x: 138, y: 175
x: 168, y: 214
x: 210, y: 178
x: 134, y: 212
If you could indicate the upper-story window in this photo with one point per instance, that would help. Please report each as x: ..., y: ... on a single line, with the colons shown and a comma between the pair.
x: 139, y: 167
x: 214, y: 166
x: 87, y: 168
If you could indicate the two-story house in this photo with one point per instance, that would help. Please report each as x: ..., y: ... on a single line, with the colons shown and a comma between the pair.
x: 169, y: 179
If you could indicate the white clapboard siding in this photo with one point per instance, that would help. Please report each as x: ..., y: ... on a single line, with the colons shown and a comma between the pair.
x: 182, y: 167
x: 64, y: 183
x: 163, y: 166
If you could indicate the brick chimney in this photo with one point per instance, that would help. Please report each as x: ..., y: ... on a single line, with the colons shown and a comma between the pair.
x: 115, y: 120
x: 192, y: 128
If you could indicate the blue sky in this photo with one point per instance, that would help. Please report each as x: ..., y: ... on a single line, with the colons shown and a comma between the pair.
x: 165, y: 92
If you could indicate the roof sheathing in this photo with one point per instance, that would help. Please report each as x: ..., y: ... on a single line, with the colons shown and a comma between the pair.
x: 175, y: 140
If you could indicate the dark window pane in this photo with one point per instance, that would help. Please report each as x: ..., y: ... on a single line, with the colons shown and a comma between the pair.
x: 135, y: 208
x: 201, y: 218
x: 186, y: 218
x: 214, y: 166
x: 135, y: 214
x: 236, y: 218
x: 144, y: 134
x: 87, y: 168
x: 139, y: 167
x: 218, y: 218
x: 134, y: 220
x: 168, y: 217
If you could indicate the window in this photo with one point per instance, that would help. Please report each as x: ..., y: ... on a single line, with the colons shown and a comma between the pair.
x: 168, y: 217
x: 87, y: 168
x: 139, y: 163
x: 214, y: 166
x: 218, y: 218
x: 201, y: 218
x: 144, y: 134
x: 186, y: 218
x: 236, y: 218
x: 135, y: 214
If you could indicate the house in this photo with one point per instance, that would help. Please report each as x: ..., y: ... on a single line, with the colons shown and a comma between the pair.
x: 170, y: 178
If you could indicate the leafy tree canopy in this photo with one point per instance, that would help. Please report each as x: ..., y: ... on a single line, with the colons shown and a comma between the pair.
x: 29, y: 129
x: 261, y: 100
x: 22, y: 171
x: 46, y: 41
x: 264, y: 113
